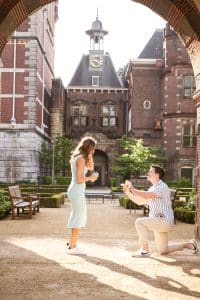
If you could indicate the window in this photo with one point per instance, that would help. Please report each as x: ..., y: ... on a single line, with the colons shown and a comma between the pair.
x: 189, y: 138
x: 108, y: 115
x: 188, y: 85
x: 187, y: 172
x: 95, y: 80
x: 79, y: 114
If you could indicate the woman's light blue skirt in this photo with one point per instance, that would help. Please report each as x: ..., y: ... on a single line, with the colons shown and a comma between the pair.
x: 78, y: 215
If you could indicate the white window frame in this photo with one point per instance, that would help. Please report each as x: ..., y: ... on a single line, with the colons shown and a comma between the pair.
x: 95, y: 78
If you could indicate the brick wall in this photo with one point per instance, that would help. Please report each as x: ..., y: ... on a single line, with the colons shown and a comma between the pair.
x: 31, y: 110
x: 94, y: 100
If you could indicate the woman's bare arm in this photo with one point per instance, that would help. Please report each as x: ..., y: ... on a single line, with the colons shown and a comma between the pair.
x: 90, y: 164
x: 80, y: 177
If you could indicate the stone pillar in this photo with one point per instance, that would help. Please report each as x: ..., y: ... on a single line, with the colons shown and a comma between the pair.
x: 197, y: 221
x: 194, y: 52
x: 56, y: 123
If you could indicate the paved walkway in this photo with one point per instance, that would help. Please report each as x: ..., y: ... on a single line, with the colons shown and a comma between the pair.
x: 34, y: 263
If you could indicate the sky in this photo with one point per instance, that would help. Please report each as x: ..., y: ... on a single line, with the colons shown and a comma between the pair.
x: 130, y: 26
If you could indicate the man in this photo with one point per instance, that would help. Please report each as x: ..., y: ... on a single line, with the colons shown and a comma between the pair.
x: 161, y: 215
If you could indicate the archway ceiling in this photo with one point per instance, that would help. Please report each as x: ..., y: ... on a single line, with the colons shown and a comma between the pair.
x: 183, y: 15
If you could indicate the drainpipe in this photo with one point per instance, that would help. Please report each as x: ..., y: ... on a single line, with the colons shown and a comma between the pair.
x: 127, y: 116
x: 43, y: 63
x: 13, y: 120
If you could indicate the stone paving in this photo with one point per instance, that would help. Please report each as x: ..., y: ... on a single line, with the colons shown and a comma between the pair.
x: 34, y: 263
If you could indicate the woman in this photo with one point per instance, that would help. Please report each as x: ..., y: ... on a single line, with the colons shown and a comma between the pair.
x: 81, y: 161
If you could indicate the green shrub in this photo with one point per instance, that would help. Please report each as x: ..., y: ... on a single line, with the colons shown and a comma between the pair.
x: 112, y: 182
x: 128, y: 204
x: 47, y: 180
x: 116, y: 189
x: 184, y: 215
x: 54, y: 201
x: 181, y: 183
x: 191, y: 203
x: 4, y: 204
x: 63, y: 180
x: 179, y: 203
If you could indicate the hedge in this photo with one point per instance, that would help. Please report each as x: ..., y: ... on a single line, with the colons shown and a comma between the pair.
x: 54, y: 201
x: 63, y: 180
x: 185, y: 215
x: 5, y: 205
x: 126, y: 203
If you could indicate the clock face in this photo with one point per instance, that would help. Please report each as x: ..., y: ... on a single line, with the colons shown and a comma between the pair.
x: 96, y: 60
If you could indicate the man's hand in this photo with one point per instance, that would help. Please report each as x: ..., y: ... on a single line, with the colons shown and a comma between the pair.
x: 125, y: 187
x: 129, y: 184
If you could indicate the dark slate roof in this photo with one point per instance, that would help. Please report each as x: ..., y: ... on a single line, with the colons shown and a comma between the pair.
x: 154, y: 47
x: 107, y: 76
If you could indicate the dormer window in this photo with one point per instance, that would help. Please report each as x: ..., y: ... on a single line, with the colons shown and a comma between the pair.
x: 95, y: 80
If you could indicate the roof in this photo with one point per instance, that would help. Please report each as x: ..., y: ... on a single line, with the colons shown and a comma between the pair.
x: 107, y: 75
x: 154, y: 47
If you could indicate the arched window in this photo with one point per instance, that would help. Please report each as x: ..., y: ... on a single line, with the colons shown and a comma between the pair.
x: 79, y: 114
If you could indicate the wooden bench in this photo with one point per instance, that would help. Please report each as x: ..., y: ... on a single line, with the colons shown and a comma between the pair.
x: 23, y: 203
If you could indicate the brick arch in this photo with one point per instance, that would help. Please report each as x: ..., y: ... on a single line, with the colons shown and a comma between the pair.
x: 13, y: 13
x: 183, y: 15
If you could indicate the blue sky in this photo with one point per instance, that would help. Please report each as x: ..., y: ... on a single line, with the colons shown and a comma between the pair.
x: 130, y: 26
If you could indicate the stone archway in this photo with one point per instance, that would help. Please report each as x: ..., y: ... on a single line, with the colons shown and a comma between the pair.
x: 182, y: 15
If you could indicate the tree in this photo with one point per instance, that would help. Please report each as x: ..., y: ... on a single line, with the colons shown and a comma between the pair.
x: 137, y: 158
x: 62, y: 152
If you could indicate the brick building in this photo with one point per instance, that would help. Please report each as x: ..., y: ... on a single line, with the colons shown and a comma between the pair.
x: 162, y: 110
x: 96, y: 103
x: 25, y: 95
x: 156, y: 104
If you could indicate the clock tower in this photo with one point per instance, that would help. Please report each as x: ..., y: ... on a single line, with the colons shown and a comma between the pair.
x: 96, y: 52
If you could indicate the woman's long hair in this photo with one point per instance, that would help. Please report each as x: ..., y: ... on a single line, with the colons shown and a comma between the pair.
x: 84, y: 147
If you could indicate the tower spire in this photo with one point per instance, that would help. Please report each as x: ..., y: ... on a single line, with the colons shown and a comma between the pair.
x: 97, y: 14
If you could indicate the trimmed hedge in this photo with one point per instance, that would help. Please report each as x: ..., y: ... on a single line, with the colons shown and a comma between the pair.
x: 185, y: 215
x: 54, y: 201
x: 49, y: 190
x: 116, y: 189
x: 179, y: 203
x: 5, y: 206
x: 63, y: 180
x: 126, y: 203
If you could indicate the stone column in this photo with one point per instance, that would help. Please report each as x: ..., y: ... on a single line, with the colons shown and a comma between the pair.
x: 194, y: 52
x: 197, y: 221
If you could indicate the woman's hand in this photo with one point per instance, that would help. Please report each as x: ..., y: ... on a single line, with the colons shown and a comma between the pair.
x: 129, y: 184
x: 94, y: 176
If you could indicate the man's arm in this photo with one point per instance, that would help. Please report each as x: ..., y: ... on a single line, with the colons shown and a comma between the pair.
x: 136, y: 199
x: 143, y: 194
x: 139, y: 193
